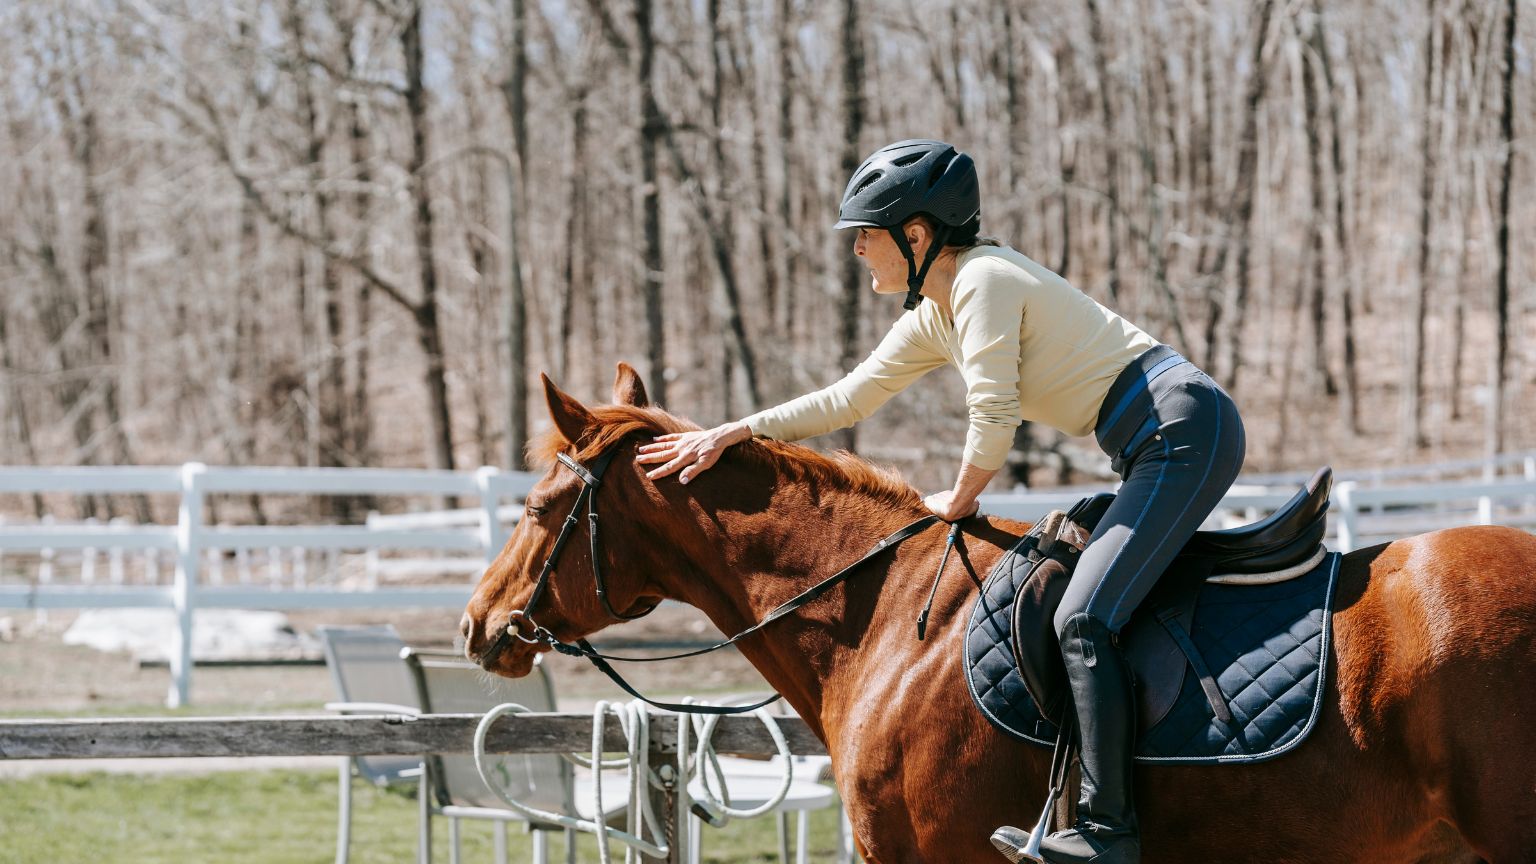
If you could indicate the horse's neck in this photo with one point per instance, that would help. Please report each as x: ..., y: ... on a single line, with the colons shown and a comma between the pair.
x: 759, y: 560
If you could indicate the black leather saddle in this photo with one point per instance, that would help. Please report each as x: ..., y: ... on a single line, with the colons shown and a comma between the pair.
x: 1157, y: 642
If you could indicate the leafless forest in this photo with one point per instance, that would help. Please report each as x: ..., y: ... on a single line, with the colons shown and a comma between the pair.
x: 353, y: 232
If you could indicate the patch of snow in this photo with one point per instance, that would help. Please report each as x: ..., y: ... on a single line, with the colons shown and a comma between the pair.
x: 217, y: 634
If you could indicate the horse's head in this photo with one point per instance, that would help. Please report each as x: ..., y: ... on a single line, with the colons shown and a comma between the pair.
x: 545, y: 576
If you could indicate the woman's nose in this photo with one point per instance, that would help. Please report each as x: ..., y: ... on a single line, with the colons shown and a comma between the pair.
x: 858, y: 244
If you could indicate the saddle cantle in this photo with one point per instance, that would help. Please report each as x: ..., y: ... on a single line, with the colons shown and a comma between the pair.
x: 1236, y: 626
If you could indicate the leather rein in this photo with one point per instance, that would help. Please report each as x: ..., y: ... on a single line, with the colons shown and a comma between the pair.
x: 591, y: 479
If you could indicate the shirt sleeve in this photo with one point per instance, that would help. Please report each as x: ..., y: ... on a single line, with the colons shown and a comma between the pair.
x: 989, y: 314
x: 903, y: 356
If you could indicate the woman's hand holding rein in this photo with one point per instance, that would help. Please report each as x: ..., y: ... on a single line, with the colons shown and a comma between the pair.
x: 690, y: 452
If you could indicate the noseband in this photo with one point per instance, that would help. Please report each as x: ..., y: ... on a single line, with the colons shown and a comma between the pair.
x: 591, y: 479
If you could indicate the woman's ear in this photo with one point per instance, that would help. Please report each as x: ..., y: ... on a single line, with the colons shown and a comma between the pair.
x: 570, y: 417
x: 628, y: 389
x: 918, y: 236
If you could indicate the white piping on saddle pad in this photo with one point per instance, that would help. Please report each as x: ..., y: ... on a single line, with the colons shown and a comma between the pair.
x: 1271, y: 578
x: 634, y: 719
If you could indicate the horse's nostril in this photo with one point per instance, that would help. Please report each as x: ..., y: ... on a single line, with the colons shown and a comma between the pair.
x: 467, y: 628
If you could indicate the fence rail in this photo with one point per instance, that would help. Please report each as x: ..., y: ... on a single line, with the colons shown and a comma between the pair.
x: 366, y: 735
x: 1363, y: 513
x: 390, y: 734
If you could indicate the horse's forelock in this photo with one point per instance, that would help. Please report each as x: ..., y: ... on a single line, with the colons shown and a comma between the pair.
x: 615, y: 422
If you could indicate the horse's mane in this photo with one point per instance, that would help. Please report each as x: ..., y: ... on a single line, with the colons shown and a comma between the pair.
x: 791, y: 461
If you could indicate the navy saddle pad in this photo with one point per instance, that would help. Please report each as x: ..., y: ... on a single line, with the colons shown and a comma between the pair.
x: 1266, y: 645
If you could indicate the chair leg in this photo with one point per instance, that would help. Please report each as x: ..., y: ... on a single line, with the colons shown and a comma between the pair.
x: 696, y: 840
x: 783, y: 820
x: 540, y: 847
x: 802, y: 837
x: 424, y: 811
x: 500, y: 840
x: 570, y: 846
x: 455, y: 852
x: 344, y: 808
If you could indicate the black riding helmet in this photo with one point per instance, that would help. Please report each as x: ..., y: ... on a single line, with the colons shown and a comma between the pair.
x: 906, y: 179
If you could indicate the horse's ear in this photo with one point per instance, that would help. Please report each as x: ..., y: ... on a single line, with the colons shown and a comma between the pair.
x: 628, y: 389
x: 571, y: 418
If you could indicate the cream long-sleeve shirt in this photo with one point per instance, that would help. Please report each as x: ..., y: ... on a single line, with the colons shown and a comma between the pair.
x: 1027, y: 343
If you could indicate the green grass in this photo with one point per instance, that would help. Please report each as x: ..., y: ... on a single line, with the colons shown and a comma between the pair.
x: 279, y: 817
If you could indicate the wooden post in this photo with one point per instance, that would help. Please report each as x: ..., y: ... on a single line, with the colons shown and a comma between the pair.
x: 670, y: 803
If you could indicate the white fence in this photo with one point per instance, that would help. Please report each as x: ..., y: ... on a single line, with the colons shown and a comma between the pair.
x: 190, y: 537
x: 1363, y: 513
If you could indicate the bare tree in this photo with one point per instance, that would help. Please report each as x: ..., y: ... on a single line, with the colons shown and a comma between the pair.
x: 1501, y: 293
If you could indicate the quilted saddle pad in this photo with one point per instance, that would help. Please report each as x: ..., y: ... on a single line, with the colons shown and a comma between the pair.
x: 1266, y: 645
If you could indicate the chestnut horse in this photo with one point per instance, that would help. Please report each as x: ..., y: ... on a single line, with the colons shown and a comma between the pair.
x: 1425, y: 750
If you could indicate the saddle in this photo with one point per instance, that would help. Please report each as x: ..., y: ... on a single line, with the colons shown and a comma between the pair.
x: 1160, y: 642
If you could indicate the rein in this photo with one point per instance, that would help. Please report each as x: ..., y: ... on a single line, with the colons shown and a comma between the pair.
x: 591, y: 480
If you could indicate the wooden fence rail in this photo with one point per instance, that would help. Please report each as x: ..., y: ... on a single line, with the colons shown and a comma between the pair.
x: 364, y: 735
x: 393, y: 734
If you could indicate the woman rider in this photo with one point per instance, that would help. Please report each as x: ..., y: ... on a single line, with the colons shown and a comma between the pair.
x: 1028, y: 345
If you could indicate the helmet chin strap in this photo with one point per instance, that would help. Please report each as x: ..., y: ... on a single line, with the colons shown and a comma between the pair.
x: 915, y: 275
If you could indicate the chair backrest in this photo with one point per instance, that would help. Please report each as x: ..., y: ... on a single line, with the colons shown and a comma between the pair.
x: 450, y: 685
x: 366, y: 667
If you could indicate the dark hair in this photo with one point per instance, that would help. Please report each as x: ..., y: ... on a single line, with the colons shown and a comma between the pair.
x: 966, y: 236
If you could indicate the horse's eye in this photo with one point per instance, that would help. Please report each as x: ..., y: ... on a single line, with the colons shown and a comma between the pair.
x: 536, y: 509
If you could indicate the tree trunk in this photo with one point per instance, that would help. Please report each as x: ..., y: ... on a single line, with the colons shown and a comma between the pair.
x: 327, y: 400
x: 1494, y: 439
x: 650, y: 204
x: 1111, y: 150
x: 1241, y: 213
x: 577, y: 271
x: 1413, y: 386
x: 854, y: 276
x: 515, y: 306
x: 18, y: 411
x: 359, y: 419
x: 1317, y: 223
x: 84, y: 138
x: 1341, y: 224
x: 793, y: 273
x: 429, y: 331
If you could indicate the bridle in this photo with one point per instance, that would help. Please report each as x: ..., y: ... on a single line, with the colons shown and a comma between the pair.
x: 591, y: 479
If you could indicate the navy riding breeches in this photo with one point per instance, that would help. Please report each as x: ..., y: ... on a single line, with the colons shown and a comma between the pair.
x: 1177, y: 442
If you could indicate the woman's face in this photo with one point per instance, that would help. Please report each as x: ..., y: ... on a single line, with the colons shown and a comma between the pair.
x: 887, y: 266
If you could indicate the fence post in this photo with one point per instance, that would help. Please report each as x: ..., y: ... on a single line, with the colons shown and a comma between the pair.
x: 45, y: 568
x: 490, y: 527
x: 1348, y: 527
x: 1530, y: 477
x: 670, y: 801
x: 189, y: 522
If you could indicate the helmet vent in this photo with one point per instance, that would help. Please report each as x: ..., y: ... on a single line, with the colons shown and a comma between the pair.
x: 904, y: 161
x: 937, y: 172
x: 869, y: 181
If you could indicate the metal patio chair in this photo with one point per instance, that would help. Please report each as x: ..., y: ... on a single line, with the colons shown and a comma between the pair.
x: 447, y: 684
x: 371, y: 679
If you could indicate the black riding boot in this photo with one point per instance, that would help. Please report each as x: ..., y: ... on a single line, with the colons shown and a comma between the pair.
x: 1105, y: 702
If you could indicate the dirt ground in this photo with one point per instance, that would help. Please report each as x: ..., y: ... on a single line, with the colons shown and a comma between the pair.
x: 41, y: 676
